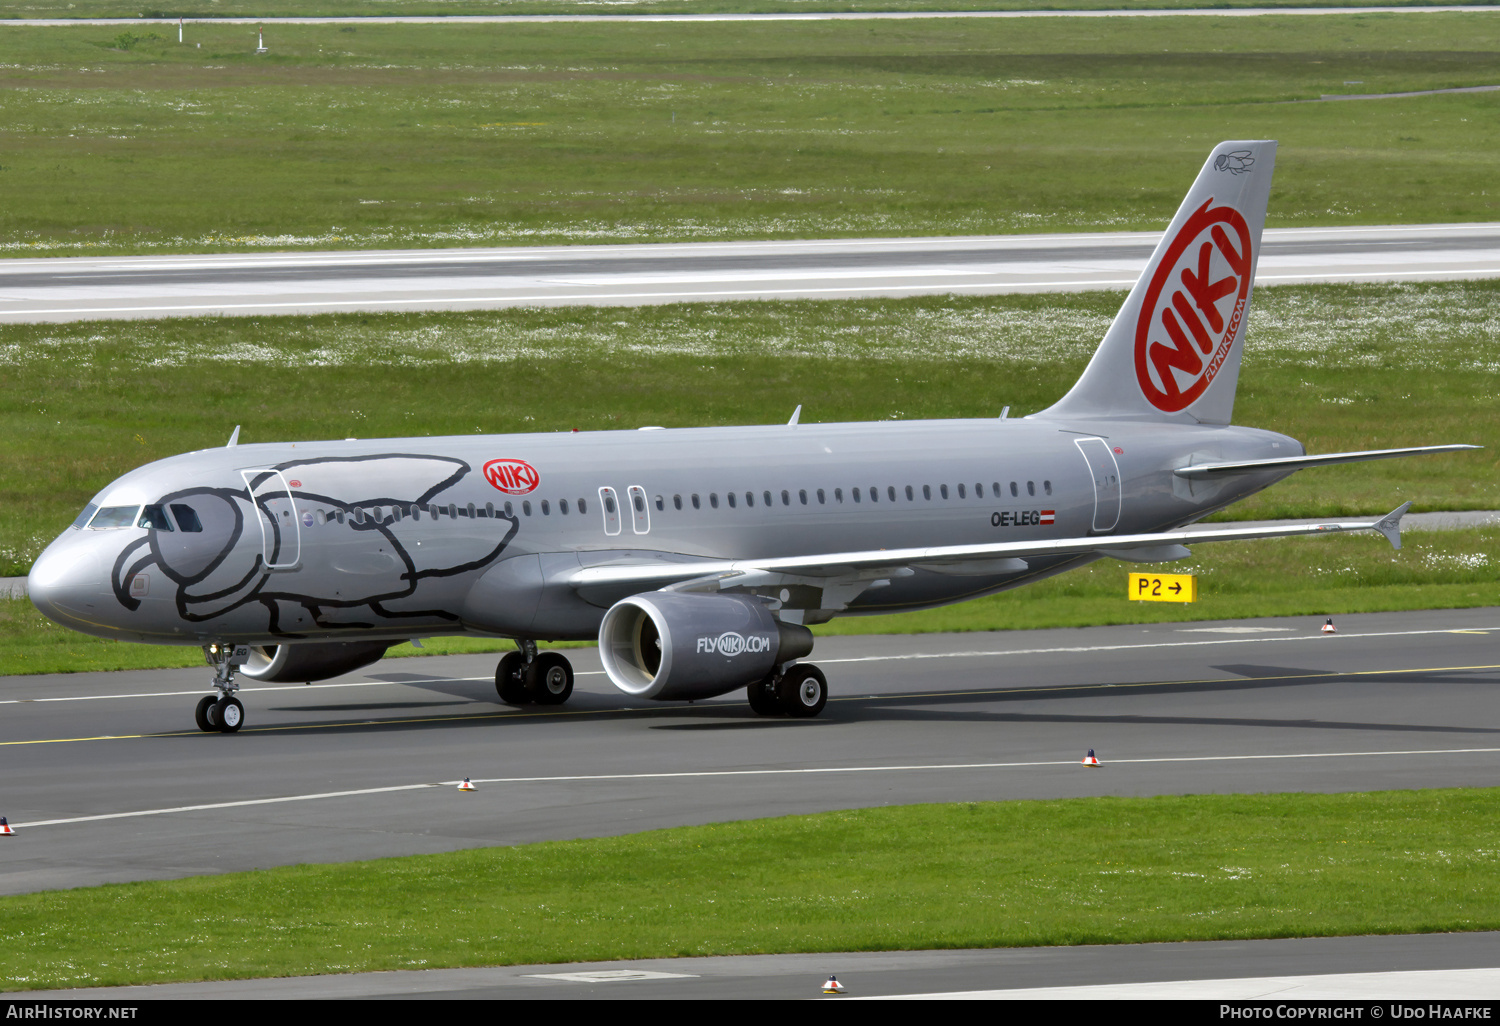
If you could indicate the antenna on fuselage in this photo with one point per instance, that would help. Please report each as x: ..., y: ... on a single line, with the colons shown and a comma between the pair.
x: 234, y: 439
x: 1004, y: 412
x: 795, y: 414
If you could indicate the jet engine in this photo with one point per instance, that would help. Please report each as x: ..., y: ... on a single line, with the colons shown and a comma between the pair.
x: 282, y: 664
x: 678, y: 645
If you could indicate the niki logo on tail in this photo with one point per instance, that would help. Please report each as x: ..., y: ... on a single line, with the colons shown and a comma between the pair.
x: 1183, y: 335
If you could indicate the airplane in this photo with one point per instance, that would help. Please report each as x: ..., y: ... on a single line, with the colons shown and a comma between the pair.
x: 699, y: 557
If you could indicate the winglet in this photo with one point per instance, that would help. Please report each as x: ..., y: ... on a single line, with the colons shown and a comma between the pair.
x: 234, y: 439
x: 795, y: 414
x: 1390, y: 524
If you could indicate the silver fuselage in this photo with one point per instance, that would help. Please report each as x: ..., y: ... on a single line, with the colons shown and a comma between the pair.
x: 403, y: 538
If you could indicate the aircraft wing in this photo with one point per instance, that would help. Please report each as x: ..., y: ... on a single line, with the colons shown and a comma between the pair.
x: 999, y: 557
x: 1201, y: 470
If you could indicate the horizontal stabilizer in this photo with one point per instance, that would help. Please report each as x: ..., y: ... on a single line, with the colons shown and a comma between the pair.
x: 1303, y: 462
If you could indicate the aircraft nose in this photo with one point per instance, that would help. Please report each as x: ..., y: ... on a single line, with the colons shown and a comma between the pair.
x: 67, y: 580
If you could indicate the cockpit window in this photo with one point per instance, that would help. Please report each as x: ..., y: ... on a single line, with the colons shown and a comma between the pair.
x: 187, y: 518
x: 114, y: 516
x: 85, y: 516
x: 154, y: 518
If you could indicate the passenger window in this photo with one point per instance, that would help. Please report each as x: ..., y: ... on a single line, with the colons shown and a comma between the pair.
x: 320, y: 518
x: 660, y: 504
x: 854, y: 492
x: 639, y: 501
x: 890, y: 492
x: 1030, y: 487
x: 838, y: 495
x: 676, y: 502
x: 821, y: 500
x: 927, y: 492
x: 471, y: 511
x: 510, y: 511
x: 713, y: 499
x: 1014, y: 490
x: 786, y: 498
x: 730, y: 497
x: 337, y: 513
x: 910, y: 496
x: 526, y: 507
x: 767, y: 497
x: 1047, y: 487
x: 154, y: 518
x: 978, y: 490
x: 562, y: 506
x: 609, y: 504
x: 943, y: 490
x: 802, y: 496
x: 696, y: 504
x: 187, y: 518
x: 546, y: 509
x: 489, y: 509
x: 84, y: 517
x: 583, y: 507
x: 961, y: 493
x: 995, y: 487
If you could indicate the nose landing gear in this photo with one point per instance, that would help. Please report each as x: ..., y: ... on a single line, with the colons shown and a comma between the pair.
x: 222, y: 712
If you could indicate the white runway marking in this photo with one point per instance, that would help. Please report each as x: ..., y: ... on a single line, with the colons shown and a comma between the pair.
x: 706, y: 774
x: 1362, y: 988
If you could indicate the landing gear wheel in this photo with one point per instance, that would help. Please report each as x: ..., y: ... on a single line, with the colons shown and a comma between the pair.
x: 510, y: 683
x: 204, y: 714
x: 803, y: 691
x: 550, y: 679
x: 228, y: 714
x: 763, y: 699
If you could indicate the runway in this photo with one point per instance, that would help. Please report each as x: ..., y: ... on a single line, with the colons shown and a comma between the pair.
x: 83, y: 288
x: 105, y: 778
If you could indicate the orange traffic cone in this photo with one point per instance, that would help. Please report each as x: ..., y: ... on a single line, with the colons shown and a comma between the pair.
x: 467, y: 785
x: 1089, y: 760
x: 1329, y: 628
x: 833, y: 986
x: 5, y: 830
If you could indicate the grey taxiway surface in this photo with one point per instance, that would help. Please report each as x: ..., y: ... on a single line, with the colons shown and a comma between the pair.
x: 105, y: 778
x: 63, y: 289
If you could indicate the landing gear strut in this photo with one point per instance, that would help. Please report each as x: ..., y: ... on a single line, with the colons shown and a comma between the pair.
x: 527, y: 677
x: 801, y: 691
x: 222, y: 712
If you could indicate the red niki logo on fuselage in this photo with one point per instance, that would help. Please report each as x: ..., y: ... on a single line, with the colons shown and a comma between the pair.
x: 513, y: 477
x: 1183, y: 336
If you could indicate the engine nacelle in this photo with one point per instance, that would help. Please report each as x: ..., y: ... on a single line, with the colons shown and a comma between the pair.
x: 668, y: 645
x: 282, y: 664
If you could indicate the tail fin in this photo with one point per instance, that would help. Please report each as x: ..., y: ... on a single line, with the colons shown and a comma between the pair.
x: 1173, y: 351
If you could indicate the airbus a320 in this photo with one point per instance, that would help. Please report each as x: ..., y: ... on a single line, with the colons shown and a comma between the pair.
x: 698, y: 557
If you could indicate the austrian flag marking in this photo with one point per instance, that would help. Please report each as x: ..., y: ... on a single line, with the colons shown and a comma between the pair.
x: 1048, y: 515
x: 1194, y: 308
x: 513, y: 477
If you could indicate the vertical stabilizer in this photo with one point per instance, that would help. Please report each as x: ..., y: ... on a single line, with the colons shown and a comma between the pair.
x: 1173, y: 351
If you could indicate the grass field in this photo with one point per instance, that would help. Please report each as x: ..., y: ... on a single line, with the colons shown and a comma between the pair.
x: 379, y: 136
x: 1081, y: 871
x: 391, y: 8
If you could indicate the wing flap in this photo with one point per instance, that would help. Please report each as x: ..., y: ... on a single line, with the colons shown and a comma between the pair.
x: 858, y: 564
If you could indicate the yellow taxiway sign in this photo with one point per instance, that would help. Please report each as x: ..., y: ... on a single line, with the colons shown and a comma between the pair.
x: 1163, y: 587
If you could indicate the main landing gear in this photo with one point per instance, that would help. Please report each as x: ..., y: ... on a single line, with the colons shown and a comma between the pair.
x: 800, y: 691
x: 222, y: 712
x: 529, y: 677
